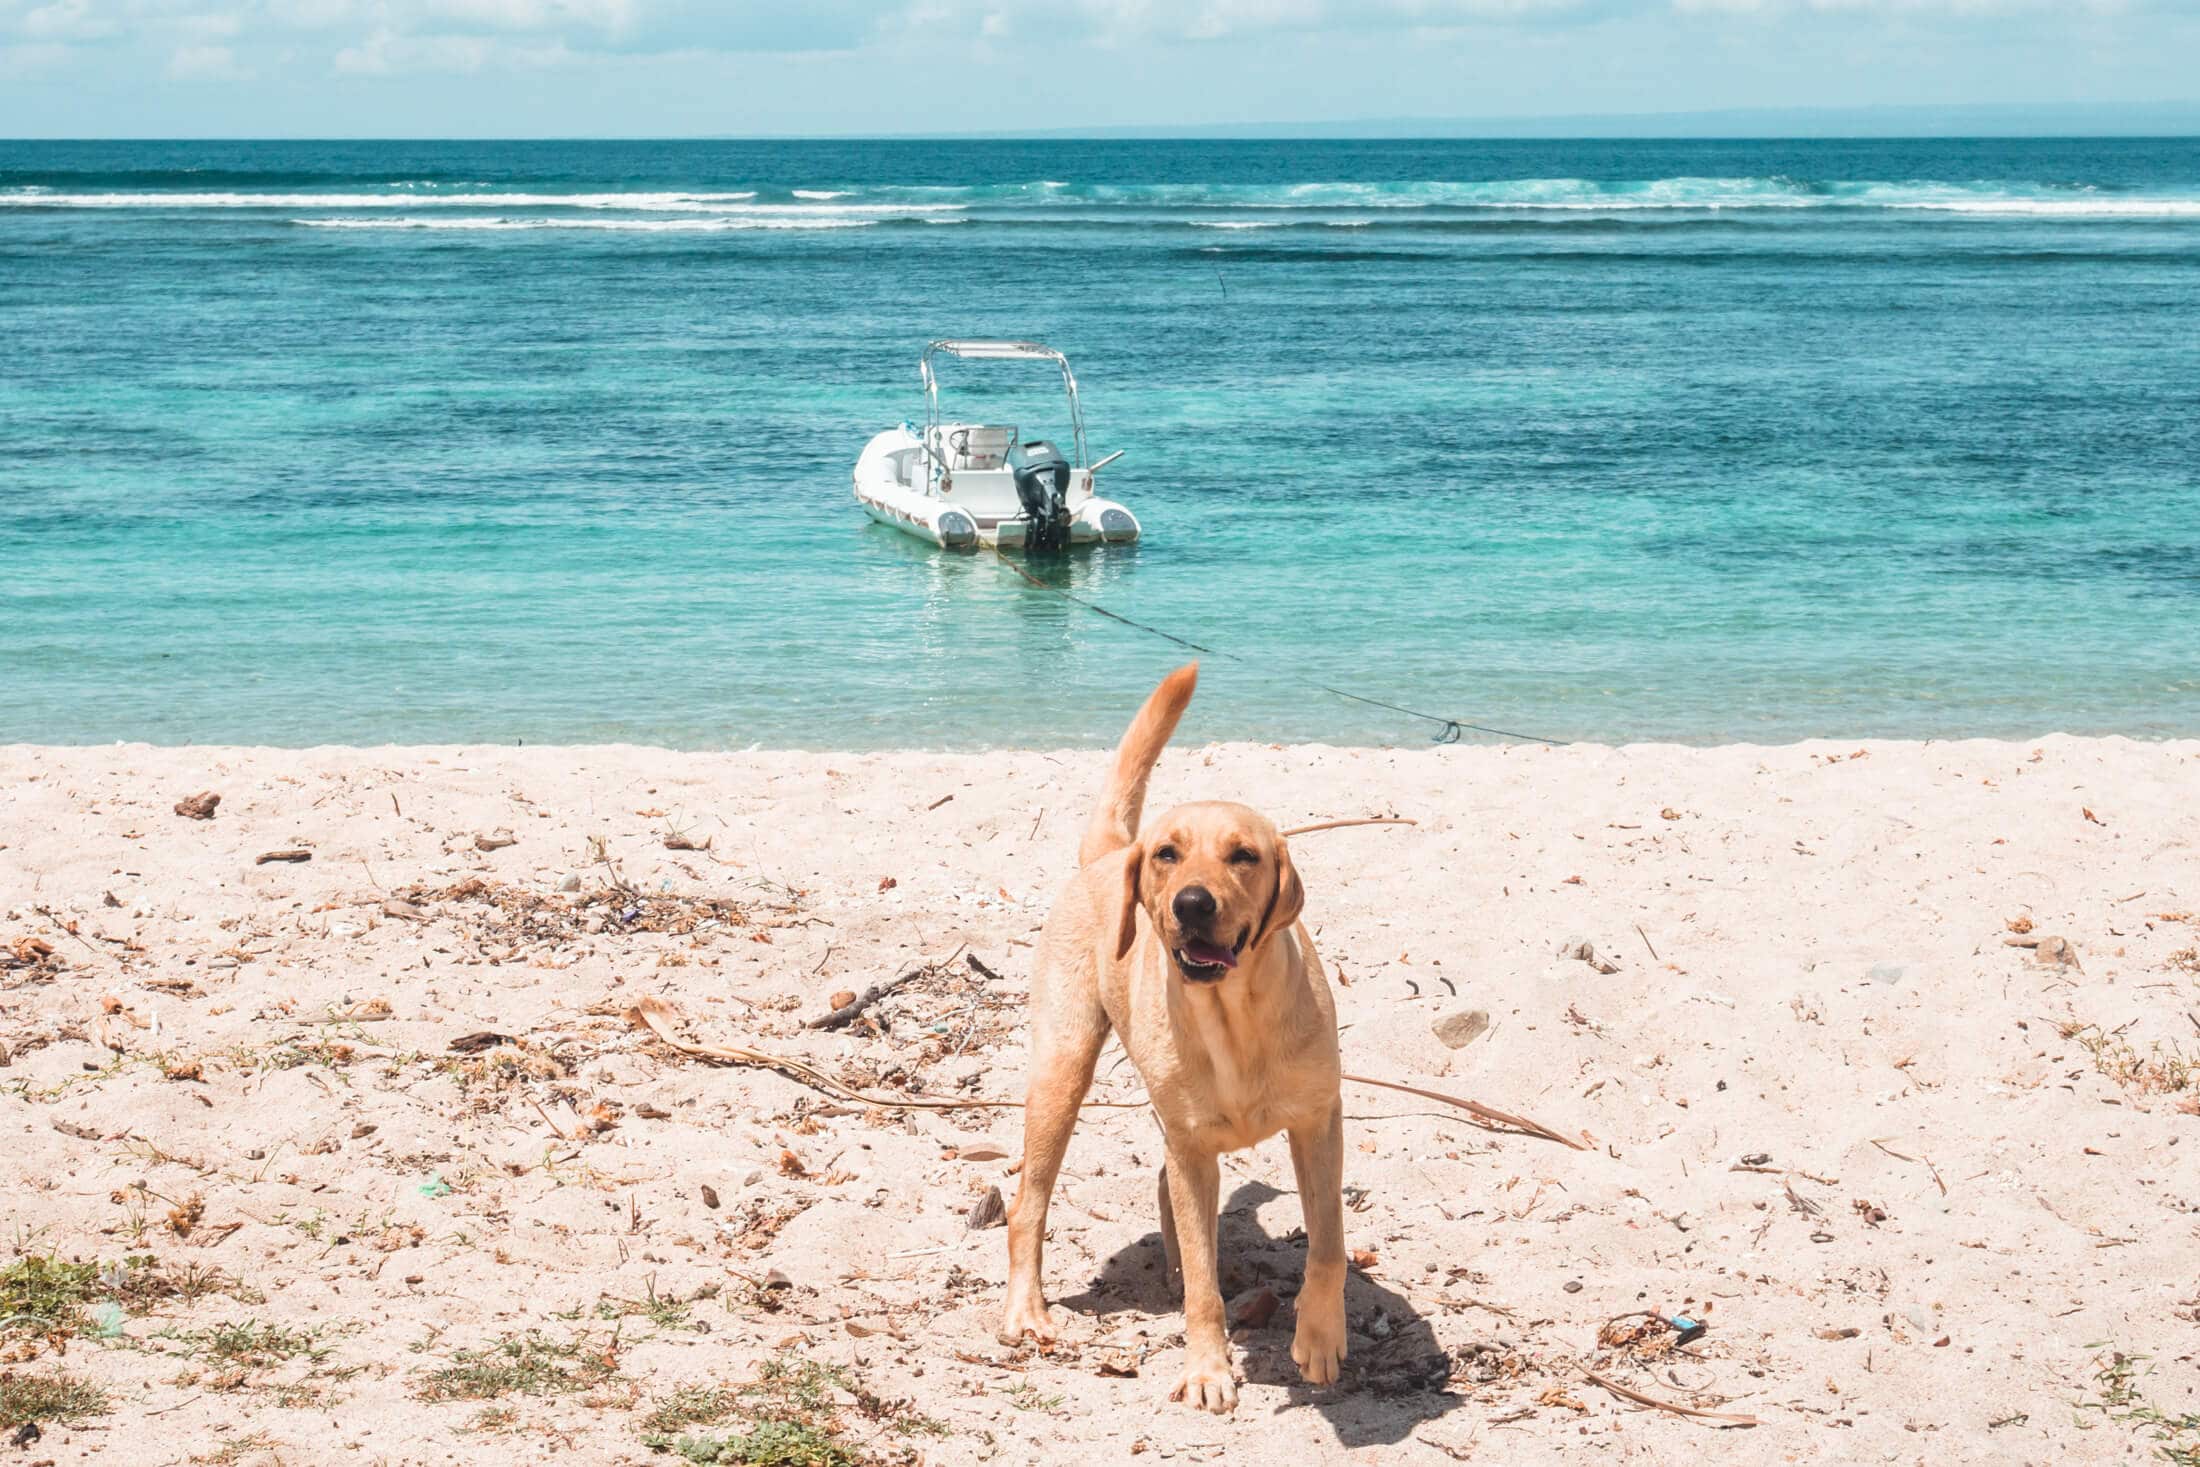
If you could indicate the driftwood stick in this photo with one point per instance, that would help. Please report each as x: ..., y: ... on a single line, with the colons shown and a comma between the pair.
x: 847, y: 1013
x: 1722, y: 1418
x: 1488, y: 1117
x: 657, y: 1016
x: 1341, y: 824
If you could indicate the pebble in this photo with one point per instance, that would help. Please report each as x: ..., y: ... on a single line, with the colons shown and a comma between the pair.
x: 571, y: 883
x: 1458, y: 1030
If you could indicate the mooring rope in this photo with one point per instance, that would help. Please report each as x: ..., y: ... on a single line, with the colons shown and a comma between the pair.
x: 1448, y: 731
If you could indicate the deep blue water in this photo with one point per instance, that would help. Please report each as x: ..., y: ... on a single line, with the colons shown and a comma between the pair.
x: 361, y: 442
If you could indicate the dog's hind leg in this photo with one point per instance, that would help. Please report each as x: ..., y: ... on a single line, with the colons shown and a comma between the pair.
x: 1068, y: 1027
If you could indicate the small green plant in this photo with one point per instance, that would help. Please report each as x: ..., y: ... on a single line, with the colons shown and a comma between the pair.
x: 792, y: 1412
x: 25, y: 1399
x: 2117, y: 1397
x: 1025, y: 1396
x: 2160, y: 1071
x: 235, y: 1453
x: 527, y: 1365
x: 43, y: 1293
x: 249, y: 1344
x: 661, y: 1310
x: 695, y: 1405
x: 767, y: 1444
x: 492, y: 1421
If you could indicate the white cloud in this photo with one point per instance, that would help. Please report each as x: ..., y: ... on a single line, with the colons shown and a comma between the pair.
x: 65, y: 20
x: 203, y: 63
x: 200, y: 38
x: 35, y: 59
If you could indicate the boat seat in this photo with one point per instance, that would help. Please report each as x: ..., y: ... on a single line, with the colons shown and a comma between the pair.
x: 979, y: 448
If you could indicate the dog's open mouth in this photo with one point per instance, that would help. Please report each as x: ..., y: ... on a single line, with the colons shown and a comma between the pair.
x: 1206, y: 962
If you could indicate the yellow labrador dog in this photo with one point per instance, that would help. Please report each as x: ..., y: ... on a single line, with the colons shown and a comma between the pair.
x: 1185, y: 941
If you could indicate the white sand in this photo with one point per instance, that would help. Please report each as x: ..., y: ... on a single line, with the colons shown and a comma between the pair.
x: 1830, y: 989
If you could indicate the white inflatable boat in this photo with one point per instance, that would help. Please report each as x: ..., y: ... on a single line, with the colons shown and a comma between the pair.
x: 961, y: 485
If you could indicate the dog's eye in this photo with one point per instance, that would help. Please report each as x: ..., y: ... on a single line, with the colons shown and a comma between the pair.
x: 1166, y: 855
x: 1243, y: 857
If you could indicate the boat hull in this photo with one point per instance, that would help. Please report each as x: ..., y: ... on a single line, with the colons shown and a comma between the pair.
x: 943, y: 522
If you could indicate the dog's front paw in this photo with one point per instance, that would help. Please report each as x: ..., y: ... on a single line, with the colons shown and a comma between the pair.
x: 1027, y: 1315
x: 1319, y: 1344
x: 1207, y: 1385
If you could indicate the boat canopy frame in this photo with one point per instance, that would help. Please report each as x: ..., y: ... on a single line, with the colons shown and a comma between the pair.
x: 998, y: 351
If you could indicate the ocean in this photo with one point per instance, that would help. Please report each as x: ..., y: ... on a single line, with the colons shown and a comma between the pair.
x: 369, y: 442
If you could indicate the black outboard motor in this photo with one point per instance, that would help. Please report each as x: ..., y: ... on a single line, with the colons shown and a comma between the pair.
x: 1042, y: 483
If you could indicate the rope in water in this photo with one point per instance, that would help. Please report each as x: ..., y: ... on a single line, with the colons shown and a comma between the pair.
x: 1448, y: 730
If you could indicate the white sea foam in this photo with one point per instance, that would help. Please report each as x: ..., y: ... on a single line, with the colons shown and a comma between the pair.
x: 721, y: 224
x: 2086, y: 208
x: 1187, y: 202
x: 640, y: 202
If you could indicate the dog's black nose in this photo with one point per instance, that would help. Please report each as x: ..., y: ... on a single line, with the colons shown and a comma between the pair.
x: 1194, y: 907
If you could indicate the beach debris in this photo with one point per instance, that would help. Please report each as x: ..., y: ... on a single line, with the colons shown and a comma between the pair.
x: 289, y: 853
x: 987, y: 1212
x: 710, y: 1197
x: 2089, y: 815
x: 1117, y: 1362
x: 1848, y: 1332
x: 1253, y: 1310
x: 1580, y: 949
x: 887, y: 883
x: 570, y: 884
x: 1486, y: 1362
x: 495, y: 840
x: 199, y: 806
x: 32, y: 955
x: 1720, y: 1418
x: 844, y: 1014
x: 477, y: 1042
x: 676, y: 840
x: 1459, y: 1029
x: 517, y: 915
x: 2019, y: 924
x: 943, y: 799
x: 1872, y: 1213
x: 1669, y: 813
x: 841, y: 999
x: 433, y: 1185
x: 2049, y: 951
x: 404, y: 911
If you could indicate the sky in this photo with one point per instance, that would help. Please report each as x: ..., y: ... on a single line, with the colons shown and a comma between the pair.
x: 675, y: 68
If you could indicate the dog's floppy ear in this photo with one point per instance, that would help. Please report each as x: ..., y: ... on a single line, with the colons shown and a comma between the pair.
x: 1288, y: 899
x: 1126, y: 929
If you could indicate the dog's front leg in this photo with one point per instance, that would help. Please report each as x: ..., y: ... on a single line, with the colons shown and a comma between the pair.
x: 1195, y: 1191
x: 1317, y: 1156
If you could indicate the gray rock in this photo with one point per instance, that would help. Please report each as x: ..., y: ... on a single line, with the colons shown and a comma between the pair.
x: 1458, y: 1030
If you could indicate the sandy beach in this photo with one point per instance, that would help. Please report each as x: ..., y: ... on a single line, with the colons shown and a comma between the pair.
x: 1878, y: 1052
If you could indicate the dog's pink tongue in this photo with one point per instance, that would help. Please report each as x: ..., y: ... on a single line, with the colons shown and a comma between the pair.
x: 1208, y: 952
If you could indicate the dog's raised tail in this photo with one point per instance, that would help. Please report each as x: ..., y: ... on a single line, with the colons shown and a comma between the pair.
x: 1114, y: 822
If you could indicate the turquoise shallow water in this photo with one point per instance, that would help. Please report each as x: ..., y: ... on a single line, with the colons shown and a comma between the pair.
x: 364, y: 442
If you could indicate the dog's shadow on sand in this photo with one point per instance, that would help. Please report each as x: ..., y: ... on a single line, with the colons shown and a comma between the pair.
x: 1395, y: 1375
